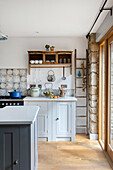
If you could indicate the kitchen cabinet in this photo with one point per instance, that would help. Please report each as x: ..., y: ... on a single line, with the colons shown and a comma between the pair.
x: 64, y: 121
x: 56, y: 120
x: 18, y: 138
x: 14, y: 147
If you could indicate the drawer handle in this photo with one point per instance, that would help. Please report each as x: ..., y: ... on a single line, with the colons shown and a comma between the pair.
x: 15, y: 162
x: 57, y: 118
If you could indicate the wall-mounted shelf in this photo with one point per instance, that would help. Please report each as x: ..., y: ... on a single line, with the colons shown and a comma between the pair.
x: 53, y: 59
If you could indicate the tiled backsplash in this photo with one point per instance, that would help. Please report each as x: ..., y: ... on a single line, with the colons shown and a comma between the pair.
x: 16, y: 79
x: 13, y: 79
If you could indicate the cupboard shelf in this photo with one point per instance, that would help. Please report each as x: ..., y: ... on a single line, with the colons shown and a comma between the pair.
x: 61, y: 59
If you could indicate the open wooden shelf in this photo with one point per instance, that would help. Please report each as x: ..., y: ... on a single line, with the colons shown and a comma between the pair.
x: 54, y: 59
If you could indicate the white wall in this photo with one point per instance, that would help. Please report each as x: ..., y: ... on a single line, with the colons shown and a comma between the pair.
x: 13, y: 54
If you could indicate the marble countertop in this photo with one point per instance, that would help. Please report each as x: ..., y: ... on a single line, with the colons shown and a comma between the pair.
x: 18, y: 114
x: 47, y: 99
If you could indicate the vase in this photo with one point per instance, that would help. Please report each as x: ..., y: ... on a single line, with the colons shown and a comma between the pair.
x: 51, y: 48
x: 79, y: 74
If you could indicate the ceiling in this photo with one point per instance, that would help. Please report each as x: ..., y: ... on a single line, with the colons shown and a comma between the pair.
x: 23, y: 18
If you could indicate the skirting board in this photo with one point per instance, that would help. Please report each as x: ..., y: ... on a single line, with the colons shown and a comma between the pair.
x: 93, y: 136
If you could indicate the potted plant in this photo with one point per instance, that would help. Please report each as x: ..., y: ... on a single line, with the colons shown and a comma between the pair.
x: 52, y: 48
x: 47, y: 47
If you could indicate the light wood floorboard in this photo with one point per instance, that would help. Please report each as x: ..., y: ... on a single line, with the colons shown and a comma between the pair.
x: 83, y: 154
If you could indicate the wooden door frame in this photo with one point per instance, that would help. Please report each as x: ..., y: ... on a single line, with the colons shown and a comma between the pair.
x: 104, y: 39
x: 109, y: 149
x: 100, y: 99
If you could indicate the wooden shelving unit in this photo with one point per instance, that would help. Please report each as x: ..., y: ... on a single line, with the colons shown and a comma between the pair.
x: 53, y: 59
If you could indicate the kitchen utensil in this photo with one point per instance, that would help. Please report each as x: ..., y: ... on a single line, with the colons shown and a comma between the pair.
x: 62, y: 92
x: 51, y: 76
x: 15, y: 94
x: 63, y: 78
x: 34, y: 92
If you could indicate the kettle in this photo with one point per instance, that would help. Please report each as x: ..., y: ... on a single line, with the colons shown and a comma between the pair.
x: 51, y: 76
x: 34, y: 92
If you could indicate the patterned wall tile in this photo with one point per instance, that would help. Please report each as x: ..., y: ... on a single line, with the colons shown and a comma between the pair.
x: 2, y: 71
x: 9, y: 71
x: 2, y: 78
x: 2, y: 85
x: 13, y: 79
x: 2, y: 92
x: 9, y: 78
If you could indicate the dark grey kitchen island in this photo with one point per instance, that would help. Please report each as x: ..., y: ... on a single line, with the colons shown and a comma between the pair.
x: 18, y: 138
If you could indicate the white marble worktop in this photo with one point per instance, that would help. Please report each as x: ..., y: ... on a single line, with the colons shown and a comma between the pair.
x: 18, y: 114
x: 47, y: 99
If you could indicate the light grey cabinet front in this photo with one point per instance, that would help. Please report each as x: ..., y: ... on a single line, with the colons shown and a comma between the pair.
x: 64, y: 121
x: 56, y: 120
x: 14, y: 147
x: 44, y: 119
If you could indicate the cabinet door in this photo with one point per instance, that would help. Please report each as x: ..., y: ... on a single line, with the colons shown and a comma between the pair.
x: 63, y: 121
x: 42, y: 125
x: 9, y: 148
x: 44, y: 120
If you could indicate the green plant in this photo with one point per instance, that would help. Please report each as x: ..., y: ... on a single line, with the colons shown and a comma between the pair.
x: 47, y: 46
x: 52, y: 47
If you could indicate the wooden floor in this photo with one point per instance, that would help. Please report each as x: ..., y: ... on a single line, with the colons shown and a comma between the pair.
x: 84, y: 154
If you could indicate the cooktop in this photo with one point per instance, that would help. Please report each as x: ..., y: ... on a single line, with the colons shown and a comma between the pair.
x: 8, y: 97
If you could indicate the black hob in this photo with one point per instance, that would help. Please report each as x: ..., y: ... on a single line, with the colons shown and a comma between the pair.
x: 8, y: 101
x: 8, y: 97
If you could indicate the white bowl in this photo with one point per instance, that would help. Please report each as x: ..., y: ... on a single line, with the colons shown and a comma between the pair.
x: 40, y: 62
x: 36, y: 61
x: 32, y: 61
x: 53, y: 61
